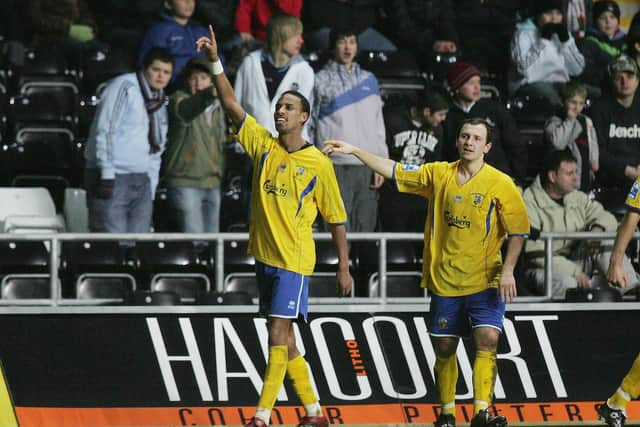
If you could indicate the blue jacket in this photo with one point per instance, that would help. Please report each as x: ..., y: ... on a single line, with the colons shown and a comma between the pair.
x: 118, y: 141
x: 179, y: 39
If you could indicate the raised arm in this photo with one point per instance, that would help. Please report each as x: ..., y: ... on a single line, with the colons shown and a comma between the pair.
x: 225, y: 91
x: 376, y: 163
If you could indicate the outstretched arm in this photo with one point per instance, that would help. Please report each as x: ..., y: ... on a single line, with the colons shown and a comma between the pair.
x: 378, y: 164
x: 225, y: 91
x: 616, y: 274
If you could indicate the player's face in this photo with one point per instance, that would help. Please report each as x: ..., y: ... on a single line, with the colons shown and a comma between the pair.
x: 470, y: 90
x: 346, y: 49
x: 472, y: 142
x: 289, y: 115
x: 566, y: 178
x: 158, y: 74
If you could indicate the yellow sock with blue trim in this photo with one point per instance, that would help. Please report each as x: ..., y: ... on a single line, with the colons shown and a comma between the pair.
x: 484, y: 378
x: 298, y: 373
x: 274, y: 376
x: 446, y: 370
x: 629, y: 388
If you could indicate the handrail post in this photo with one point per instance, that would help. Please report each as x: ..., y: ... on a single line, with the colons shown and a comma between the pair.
x: 548, y: 270
x: 219, y: 263
x: 382, y: 268
x: 55, y: 290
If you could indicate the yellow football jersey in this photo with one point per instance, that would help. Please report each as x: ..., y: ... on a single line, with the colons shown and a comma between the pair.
x: 288, y: 190
x: 633, y: 201
x: 466, y: 224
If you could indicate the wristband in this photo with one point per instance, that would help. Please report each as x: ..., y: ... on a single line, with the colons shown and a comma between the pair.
x: 216, y: 68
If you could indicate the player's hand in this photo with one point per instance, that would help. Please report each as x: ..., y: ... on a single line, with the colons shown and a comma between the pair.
x: 507, y: 287
x: 336, y: 146
x: 209, y: 45
x: 378, y: 180
x: 344, y: 282
x: 617, y: 276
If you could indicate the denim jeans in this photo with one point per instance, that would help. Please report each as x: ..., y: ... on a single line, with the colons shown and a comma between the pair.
x: 129, y: 209
x: 197, y: 210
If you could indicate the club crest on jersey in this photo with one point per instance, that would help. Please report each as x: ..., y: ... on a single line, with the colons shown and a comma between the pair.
x: 282, y: 168
x: 633, y: 193
x: 458, y: 198
x: 295, y: 86
x: 477, y: 199
x: 410, y: 168
x: 300, y: 171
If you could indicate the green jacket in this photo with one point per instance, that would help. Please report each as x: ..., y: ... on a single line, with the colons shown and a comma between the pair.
x: 195, y: 155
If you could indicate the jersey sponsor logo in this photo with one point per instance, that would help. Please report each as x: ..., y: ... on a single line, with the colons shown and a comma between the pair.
x: 455, y: 221
x: 624, y: 131
x: 633, y: 193
x: 410, y: 168
x: 271, y: 188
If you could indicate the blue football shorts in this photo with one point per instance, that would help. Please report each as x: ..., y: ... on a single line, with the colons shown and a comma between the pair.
x: 457, y: 316
x: 283, y: 293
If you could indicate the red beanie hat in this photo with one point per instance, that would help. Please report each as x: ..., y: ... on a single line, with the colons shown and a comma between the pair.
x: 459, y: 72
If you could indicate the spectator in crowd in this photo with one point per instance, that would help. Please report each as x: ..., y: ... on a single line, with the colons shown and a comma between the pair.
x: 485, y: 29
x: 508, y: 150
x: 194, y: 161
x: 252, y: 16
x: 266, y: 74
x: 175, y: 32
x: 320, y: 16
x: 293, y: 181
x: 574, y: 131
x: 468, y: 282
x: 616, y: 117
x: 348, y: 106
x: 424, y: 26
x: 220, y: 14
x: 414, y: 137
x: 555, y: 204
x: 633, y: 41
x: 126, y: 140
x: 605, y: 41
x: 544, y: 54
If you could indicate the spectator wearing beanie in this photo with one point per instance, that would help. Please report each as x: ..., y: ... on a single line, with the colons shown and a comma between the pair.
x: 544, y: 55
x: 605, y: 41
x: 508, y: 150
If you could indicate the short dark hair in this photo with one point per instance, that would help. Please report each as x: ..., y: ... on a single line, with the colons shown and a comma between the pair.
x: 551, y: 163
x: 336, y: 34
x: 157, y: 53
x: 306, y: 107
x: 475, y: 121
x: 433, y: 100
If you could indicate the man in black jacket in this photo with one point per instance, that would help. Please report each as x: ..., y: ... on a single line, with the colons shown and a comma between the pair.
x: 509, y: 151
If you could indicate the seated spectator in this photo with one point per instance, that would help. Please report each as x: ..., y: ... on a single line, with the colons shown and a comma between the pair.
x: 555, y: 205
x: 194, y: 162
x: 320, y: 16
x: 605, y: 41
x: 267, y: 73
x: 485, y: 29
x: 175, y: 32
x: 425, y: 26
x: 252, y: 16
x: 347, y: 106
x: 414, y: 137
x: 616, y: 117
x: 543, y: 53
x: 508, y: 150
x: 122, y: 154
x: 574, y: 131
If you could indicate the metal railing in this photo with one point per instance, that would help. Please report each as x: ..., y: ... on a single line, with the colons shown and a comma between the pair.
x: 54, y: 240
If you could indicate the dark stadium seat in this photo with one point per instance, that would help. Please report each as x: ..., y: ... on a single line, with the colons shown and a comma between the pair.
x: 99, y: 261
x: 323, y: 285
x: 224, y: 298
x: 326, y: 256
x: 102, y: 64
x: 144, y: 297
x: 104, y: 287
x: 24, y: 287
x: 399, y: 64
x: 608, y: 294
x: 186, y: 285
x: 245, y: 282
x: 399, y: 284
x: 236, y: 258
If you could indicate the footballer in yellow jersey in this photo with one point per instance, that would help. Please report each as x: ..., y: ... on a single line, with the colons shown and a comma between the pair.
x: 466, y: 224
x: 292, y: 181
x: 472, y: 207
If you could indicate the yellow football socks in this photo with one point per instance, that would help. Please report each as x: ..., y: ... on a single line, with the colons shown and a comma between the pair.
x: 629, y: 389
x: 298, y: 373
x: 274, y: 376
x: 446, y: 370
x: 484, y: 377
